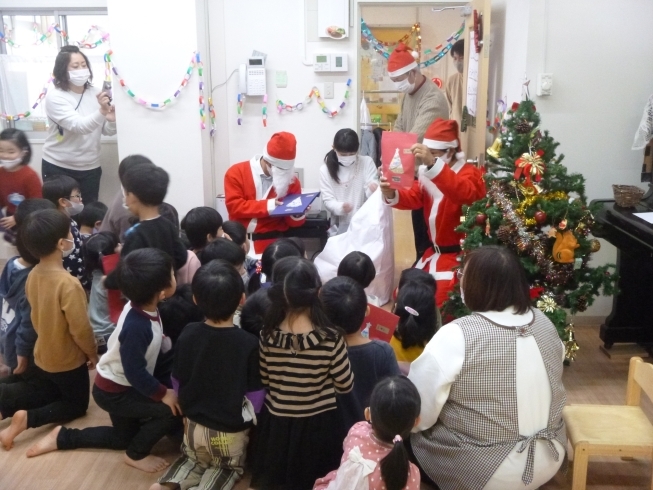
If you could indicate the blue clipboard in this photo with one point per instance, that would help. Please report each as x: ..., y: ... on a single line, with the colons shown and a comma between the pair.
x: 294, y: 204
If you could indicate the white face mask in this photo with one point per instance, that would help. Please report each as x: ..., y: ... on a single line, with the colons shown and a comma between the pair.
x: 75, y: 208
x: 66, y: 253
x: 346, y: 160
x: 10, y: 164
x: 459, y: 66
x: 405, y: 86
x: 79, y: 77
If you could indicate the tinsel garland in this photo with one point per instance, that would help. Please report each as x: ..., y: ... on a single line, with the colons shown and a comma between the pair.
x: 529, y: 201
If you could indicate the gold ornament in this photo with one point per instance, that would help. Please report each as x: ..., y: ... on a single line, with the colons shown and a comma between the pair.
x: 547, y: 304
x: 595, y: 245
x: 571, y: 346
x: 494, y: 150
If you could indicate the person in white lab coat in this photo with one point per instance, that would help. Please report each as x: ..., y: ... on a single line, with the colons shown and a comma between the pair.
x: 491, y: 386
x: 347, y: 179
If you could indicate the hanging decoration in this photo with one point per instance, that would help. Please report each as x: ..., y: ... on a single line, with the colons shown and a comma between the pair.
x: 239, y: 108
x: 86, y: 44
x: 367, y: 33
x: 442, y: 50
x: 26, y: 114
x: 281, y: 106
x: 41, y: 37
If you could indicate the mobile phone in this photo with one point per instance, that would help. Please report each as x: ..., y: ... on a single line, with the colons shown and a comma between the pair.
x: 106, y: 88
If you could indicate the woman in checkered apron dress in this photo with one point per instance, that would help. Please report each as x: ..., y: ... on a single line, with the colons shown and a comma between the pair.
x: 491, y: 386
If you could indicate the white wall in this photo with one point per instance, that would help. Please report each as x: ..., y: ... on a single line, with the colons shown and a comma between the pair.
x: 171, y: 138
x: 275, y: 28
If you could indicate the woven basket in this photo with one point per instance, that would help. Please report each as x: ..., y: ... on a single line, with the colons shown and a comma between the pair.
x: 627, y: 196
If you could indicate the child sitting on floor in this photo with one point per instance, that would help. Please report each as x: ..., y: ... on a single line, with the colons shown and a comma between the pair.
x: 63, y: 192
x: 97, y: 246
x: 90, y: 219
x: 360, y: 268
x: 142, y: 410
x: 379, y: 443
x: 297, y: 441
x: 215, y: 363
x: 236, y: 232
x: 65, y: 349
x: 17, y: 337
x: 418, y: 322
x: 371, y: 360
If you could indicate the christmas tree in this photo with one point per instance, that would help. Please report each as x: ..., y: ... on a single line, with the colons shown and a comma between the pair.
x: 539, y: 210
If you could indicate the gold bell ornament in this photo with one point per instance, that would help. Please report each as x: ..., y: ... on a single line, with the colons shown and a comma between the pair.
x: 494, y: 150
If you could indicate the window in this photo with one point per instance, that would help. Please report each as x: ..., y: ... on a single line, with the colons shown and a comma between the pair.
x: 26, y: 62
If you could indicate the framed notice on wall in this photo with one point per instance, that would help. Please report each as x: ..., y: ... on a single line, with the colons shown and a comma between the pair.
x: 333, y: 18
x: 472, y: 77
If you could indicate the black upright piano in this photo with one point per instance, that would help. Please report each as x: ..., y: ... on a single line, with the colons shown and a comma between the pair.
x: 631, y: 319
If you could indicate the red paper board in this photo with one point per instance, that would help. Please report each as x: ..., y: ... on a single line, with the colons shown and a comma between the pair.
x: 114, y: 297
x: 382, y: 323
x: 398, y: 162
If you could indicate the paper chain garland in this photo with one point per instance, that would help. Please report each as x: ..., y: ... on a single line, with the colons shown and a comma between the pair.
x: 380, y: 47
x: 315, y: 92
x: 41, y: 37
x: 240, y: 104
x: 26, y: 114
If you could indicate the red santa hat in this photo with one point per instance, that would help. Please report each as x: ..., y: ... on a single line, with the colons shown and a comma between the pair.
x: 442, y: 134
x: 281, y: 150
x: 401, y: 61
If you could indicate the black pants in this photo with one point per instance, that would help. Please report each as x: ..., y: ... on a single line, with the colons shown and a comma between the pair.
x: 26, y: 391
x: 411, y: 455
x: 420, y: 232
x: 138, y: 424
x: 88, y: 180
x: 72, y: 398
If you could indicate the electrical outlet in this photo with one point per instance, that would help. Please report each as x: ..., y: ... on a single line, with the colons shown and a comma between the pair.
x: 328, y: 90
x: 544, y: 84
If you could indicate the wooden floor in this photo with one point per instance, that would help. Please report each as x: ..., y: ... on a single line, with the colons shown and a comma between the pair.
x: 593, y: 378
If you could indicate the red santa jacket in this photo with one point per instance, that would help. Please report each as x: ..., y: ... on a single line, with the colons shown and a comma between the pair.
x: 246, y: 202
x: 442, y: 191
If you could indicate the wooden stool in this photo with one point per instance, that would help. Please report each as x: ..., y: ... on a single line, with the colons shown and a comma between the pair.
x: 612, y: 430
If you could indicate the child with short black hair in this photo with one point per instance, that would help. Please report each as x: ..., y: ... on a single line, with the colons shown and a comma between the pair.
x: 252, y: 316
x: 273, y: 252
x: 224, y: 249
x: 215, y: 363
x: 142, y: 410
x: 63, y: 191
x: 202, y: 225
x: 178, y: 311
x: 118, y: 218
x: 90, y: 219
x: 145, y: 189
x: 371, y: 360
x: 380, y: 442
x: 360, y: 268
x: 65, y: 347
x: 298, y: 338
x: 97, y: 246
x: 18, y: 181
x: 236, y: 232
x: 418, y: 322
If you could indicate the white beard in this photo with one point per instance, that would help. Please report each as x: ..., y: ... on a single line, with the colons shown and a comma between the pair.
x: 281, y: 179
x: 428, y: 185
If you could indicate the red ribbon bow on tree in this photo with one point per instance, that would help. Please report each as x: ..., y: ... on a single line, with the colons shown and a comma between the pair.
x: 529, y: 164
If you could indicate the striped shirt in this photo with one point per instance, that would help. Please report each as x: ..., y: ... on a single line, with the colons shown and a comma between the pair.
x: 304, y: 372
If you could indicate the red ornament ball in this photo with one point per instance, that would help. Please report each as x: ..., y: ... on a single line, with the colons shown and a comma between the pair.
x: 480, y: 219
x: 540, y: 217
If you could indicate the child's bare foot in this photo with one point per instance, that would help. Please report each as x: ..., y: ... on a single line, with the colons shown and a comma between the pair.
x: 18, y: 425
x: 149, y: 464
x: 45, y: 445
x: 164, y: 486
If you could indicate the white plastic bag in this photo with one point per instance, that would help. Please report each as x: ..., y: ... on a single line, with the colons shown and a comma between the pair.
x: 371, y: 232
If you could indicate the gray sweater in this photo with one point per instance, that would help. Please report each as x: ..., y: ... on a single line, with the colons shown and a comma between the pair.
x: 419, y: 110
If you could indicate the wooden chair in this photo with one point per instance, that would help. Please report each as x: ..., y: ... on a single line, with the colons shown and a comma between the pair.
x: 612, y: 430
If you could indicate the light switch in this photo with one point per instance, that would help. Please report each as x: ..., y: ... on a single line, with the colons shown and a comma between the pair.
x: 544, y: 84
x: 328, y: 90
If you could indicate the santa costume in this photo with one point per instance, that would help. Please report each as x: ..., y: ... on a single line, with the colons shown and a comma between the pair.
x: 250, y: 193
x: 442, y: 190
